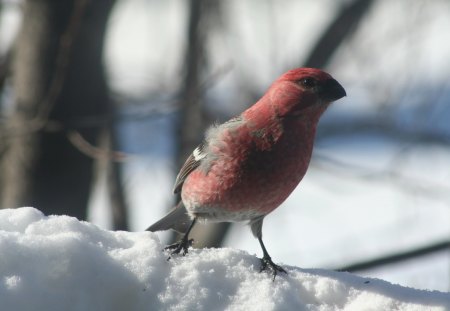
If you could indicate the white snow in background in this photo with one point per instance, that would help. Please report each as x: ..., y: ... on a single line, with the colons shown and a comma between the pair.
x: 133, y: 33
x: 59, y: 263
x: 10, y: 19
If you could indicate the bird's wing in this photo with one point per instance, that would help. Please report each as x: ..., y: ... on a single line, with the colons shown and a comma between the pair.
x: 200, y: 152
x: 191, y: 164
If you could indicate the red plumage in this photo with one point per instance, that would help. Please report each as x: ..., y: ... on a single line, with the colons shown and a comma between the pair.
x: 249, y: 165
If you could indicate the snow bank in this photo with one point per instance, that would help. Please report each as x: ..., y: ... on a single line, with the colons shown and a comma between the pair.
x: 60, y: 263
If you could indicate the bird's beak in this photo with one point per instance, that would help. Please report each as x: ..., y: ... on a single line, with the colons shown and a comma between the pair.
x: 331, y: 90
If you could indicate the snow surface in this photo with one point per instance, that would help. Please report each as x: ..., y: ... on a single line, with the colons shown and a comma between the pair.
x: 60, y: 263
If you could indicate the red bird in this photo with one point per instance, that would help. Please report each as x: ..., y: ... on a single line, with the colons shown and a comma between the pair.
x: 248, y: 166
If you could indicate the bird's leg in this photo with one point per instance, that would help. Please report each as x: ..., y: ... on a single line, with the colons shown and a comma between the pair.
x: 183, y: 244
x: 266, y: 262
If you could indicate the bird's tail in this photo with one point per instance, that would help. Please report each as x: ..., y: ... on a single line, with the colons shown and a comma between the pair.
x: 177, y: 219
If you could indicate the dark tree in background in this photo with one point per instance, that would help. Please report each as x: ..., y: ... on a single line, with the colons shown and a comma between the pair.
x: 59, y: 85
x: 193, y: 120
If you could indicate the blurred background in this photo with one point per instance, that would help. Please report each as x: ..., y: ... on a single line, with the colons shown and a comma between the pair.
x: 102, y: 101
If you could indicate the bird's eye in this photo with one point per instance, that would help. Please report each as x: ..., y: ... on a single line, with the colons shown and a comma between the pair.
x: 307, y: 82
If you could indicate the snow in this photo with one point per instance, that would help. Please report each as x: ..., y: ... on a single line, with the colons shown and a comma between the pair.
x: 60, y: 263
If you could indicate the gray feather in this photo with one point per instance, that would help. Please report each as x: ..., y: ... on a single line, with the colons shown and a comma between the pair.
x: 177, y: 219
x: 192, y: 162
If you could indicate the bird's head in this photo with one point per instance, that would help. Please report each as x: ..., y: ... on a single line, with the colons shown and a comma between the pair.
x: 304, y: 89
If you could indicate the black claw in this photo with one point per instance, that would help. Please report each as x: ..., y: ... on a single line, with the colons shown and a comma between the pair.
x: 176, y: 248
x: 183, y: 244
x: 268, y: 264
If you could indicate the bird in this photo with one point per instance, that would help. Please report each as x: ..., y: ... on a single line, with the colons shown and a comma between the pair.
x: 248, y: 166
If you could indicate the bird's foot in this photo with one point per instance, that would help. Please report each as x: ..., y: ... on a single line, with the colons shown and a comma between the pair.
x: 268, y: 264
x: 179, y: 246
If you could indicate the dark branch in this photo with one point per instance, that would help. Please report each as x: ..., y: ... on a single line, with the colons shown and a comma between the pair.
x: 398, y: 257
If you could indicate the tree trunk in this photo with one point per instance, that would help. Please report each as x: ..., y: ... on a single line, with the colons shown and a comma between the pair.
x: 192, y: 118
x: 342, y: 27
x: 58, y: 81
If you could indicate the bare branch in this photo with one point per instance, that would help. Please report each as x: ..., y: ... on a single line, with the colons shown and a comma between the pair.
x: 95, y: 152
x: 398, y: 257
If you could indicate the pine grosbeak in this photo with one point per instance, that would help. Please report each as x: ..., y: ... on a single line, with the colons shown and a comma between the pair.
x: 248, y: 166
